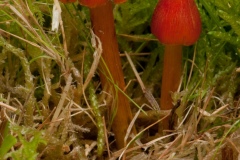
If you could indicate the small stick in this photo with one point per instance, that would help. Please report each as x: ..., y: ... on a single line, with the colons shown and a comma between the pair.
x: 8, y: 107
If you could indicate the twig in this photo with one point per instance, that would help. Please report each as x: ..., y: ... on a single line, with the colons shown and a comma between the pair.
x: 8, y: 107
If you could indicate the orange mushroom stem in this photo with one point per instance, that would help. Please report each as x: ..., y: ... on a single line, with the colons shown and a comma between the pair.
x: 175, y: 23
x: 111, y: 72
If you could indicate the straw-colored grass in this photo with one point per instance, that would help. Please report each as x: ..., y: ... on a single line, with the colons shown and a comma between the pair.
x: 53, y: 107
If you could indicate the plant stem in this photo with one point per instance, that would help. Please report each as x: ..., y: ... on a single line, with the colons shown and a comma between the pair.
x: 95, y: 107
x: 111, y: 69
x: 172, y: 70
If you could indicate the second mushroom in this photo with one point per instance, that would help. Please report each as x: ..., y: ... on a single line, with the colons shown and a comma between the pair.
x: 175, y: 23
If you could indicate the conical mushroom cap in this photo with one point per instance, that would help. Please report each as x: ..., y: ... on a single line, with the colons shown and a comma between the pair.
x: 176, y: 22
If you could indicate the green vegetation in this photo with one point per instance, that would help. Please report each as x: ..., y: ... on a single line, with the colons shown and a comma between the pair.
x: 58, y: 114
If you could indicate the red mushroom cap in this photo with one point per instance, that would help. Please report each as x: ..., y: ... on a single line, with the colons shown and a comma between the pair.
x: 92, y: 3
x: 176, y: 22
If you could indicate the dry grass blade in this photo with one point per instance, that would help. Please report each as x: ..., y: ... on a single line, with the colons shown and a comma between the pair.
x: 121, y: 152
x: 44, y: 41
x: 131, y: 125
x: 44, y: 84
x: 97, y: 45
x: 60, y: 106
x: 206, y: 104
x: 146, y: 92
x: 10, y: 108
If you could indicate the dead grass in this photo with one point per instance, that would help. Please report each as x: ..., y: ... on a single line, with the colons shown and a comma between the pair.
x: 43, y: 87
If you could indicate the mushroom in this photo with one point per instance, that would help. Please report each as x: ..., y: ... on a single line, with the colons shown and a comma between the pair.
x: 111, y: 74
x: 175, y: 23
